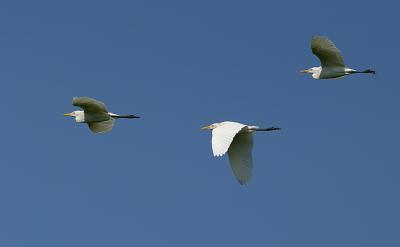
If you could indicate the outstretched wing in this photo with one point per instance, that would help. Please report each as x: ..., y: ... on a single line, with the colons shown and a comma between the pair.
x: 240, y: 157
x: 101, y: 127
x: 89, y: 105
x: 223, y: 135
x: 327, y: 52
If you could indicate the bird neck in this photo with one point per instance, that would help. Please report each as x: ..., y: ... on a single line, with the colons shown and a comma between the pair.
x: 316, y: 72
x: 79, y: 116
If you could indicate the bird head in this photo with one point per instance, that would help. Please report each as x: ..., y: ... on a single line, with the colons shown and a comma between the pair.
x: 315, y: 71
x: 310, y: 70
x: 211, y: 127
x: 72, y: 114
x: 79, y: 115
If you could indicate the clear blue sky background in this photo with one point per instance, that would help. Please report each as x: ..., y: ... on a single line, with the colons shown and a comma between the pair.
x: 329, y: 178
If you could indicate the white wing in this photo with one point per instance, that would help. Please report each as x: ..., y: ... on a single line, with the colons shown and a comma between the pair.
x: 327, y: 52
x: 95, y: 111
x: 101, y: 127
x: 89, y: 104
x: 240, y: 156
x: 223, y: 135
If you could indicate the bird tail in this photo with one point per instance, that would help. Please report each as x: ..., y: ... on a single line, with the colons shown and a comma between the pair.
x: 267, y: 129
x: 125, y: 116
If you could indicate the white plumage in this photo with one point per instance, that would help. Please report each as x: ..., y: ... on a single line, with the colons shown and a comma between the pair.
x: 101, y: 127
x: 236, y: 139
x: 95, y: 114
x: 332, y: 62
x: 240, y: 156
x: 223, y: 135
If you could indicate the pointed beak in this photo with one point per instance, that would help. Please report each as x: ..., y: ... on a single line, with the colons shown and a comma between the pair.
x: 206, y: 127
x: 68, y: 114
x: 305, y: 71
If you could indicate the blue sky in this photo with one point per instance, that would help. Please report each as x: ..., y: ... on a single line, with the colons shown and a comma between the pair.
x: 329, y: 178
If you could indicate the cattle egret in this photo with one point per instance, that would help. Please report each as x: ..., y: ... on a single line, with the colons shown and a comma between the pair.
x: 332, y: 64
x: 237, y: 140
x: 95, y: 114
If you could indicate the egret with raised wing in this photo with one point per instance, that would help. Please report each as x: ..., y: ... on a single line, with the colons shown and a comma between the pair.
x: 95, y: 114
x: 332, y: 63
x: 237, y: 140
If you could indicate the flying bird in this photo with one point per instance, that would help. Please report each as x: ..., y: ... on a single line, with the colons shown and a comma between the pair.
x: 95, y: 114
x: 237, y: 140
x: 332, y: 64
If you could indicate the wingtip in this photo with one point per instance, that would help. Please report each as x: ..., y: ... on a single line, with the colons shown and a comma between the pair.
x: 218, y: 155
x: 243, y: 183
x: 315, y: 36
x: 318, y: 36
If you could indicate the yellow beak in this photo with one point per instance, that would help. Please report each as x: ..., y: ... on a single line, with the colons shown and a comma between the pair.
x: 206, y: 127
x: 68, y: 114
x: 305, y: 71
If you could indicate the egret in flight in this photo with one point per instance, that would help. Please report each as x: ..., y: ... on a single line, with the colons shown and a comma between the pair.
x: 237, y: 140
x: 332, y: 64
x: 95, y: 114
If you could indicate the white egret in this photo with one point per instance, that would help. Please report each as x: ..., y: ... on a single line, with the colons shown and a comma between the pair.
x: 332, y: 64
x: 237, y: 140
x: 95, y: 114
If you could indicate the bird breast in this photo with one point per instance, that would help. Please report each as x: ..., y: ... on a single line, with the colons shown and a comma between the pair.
x: 94, y: 117
x: 331, y: 73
